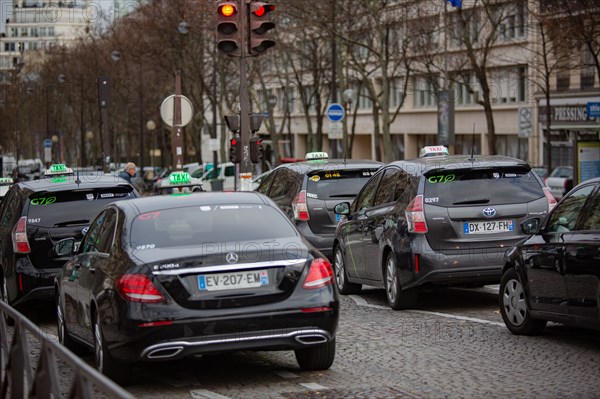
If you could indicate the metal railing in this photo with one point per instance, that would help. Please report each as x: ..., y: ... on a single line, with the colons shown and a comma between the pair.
x: 20, y: 380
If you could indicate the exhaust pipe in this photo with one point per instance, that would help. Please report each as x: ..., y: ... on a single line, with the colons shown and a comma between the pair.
x: 164, y: 353
x: 311, y: 339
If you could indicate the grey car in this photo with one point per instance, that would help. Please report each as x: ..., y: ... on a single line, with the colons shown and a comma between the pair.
x: 439, y: 221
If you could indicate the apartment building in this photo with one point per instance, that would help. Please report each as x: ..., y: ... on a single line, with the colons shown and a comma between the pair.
x: 512, y: 65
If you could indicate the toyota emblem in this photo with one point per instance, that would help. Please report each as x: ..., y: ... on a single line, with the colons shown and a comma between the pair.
x: 489, y: 212
x: 231, y: 257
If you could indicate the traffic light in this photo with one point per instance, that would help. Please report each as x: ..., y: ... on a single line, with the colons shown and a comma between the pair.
x: 260, y: 24
x: 228, y: 31
x: 256, y: 150
x: 235, y: 150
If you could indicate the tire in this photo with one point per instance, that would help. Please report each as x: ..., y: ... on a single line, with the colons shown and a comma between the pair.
x: 344, y: 286
x: 118, y: 372
x: 396, y: 296
x: 4, y: 297
x: 514, y: 308
x: 61, y: 329
x: 318, y: 357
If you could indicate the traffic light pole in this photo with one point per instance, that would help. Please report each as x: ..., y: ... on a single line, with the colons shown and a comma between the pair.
x: 245, y: 165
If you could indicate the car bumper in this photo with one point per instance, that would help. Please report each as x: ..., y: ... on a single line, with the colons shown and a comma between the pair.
x: 466, y: 267
x: 32, y: 284
x: 284, y: 330
x: 322, y: 242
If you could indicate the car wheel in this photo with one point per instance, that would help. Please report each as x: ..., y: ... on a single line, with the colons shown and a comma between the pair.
x: 341, y: 277
x: 4, y: 297
x: 397, y: 297
x: 513, y: 306
x: 319, y: 357
x: 105, y: 364
x: 61, y: 327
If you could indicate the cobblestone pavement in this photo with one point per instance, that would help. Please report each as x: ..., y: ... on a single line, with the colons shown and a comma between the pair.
x: 453, y: 346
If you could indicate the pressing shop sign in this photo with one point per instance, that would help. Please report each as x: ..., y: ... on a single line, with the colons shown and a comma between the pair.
x: 567, y: 113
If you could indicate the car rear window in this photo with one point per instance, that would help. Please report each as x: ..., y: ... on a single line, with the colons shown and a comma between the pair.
x: 481, y: 186
x: 209, y: 224
x: 73, y: 207
x: 337, y: 183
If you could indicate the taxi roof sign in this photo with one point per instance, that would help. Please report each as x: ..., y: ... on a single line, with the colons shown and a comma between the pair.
x: 58, y: 169
x: 434, y: 151
x: 179, y: 178
x: 314, y: 156
x: 6, y: 180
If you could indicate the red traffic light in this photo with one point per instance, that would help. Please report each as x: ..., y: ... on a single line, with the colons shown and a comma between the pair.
x: 233, y: 142
x: 227, y: 9
x: 264, y: 9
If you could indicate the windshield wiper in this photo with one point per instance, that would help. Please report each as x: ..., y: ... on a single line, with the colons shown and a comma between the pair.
x: 472, y: 202
x: 71, y: 222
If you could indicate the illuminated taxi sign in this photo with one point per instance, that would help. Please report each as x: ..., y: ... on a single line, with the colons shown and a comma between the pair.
x: 58, y: 169
x: 316, y: 156
x: 6, y: 180
x: 179, y: 178
x: 433, y: 151
x: 60, y: 179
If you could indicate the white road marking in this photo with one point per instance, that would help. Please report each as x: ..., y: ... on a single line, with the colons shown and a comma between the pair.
x: 206, y: 394
x: 360, y: 301
x: 285, y: 374
x: 313, y: 386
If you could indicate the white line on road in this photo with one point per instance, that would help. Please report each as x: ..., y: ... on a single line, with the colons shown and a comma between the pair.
x: 206, y: 394
x: 285, y: 374
x: 360, y: 301
x: 313, y: 386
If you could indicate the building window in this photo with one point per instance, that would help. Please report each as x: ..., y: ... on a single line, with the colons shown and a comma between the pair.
x: 424, y: 93
x: 508, y: 85
x: 563, y: 81
x: 51, y: 31
x: 396, y: 92
x: 587, y: 74
x: 513, y: 20
x: 42, y: 31
x: 364, y: 99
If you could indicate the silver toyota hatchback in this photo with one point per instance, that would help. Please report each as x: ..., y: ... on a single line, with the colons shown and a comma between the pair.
x: 437, y: 221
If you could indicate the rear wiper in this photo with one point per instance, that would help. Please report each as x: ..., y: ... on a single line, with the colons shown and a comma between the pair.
x: 71, y: 222
x: 473, y: 202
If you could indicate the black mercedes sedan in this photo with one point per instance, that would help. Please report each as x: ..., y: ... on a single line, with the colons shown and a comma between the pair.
x: 554, y: 275
x: 161, y: 278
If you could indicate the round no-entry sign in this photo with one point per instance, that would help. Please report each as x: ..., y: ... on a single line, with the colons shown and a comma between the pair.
x: 335, y: 112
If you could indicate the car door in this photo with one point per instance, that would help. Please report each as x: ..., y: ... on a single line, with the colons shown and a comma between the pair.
x: 582, y: 262
x: 545, y: 259
x: 353, y: 230
x: 379, y: 217
x: 91, y: 271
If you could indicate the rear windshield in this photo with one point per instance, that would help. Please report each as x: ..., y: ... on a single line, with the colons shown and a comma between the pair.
x: 74, y: 207
x: 337, y: 183
x: 208, y: 224
x: 480, y: 187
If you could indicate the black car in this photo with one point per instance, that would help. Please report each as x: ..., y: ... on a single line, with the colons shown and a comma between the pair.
x: 36, y: 214
x: 167, y: 277
x: 308, y: 191
x: 436, y: 221
x: 554, y: 275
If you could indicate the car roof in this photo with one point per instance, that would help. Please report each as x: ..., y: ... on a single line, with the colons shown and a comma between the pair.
x: 70, y: 183
x: 331, y: 164
x: 149, y: 204
x: 419, y: 166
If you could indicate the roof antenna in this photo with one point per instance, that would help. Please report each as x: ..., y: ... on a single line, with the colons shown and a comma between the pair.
x: 77, y: 181
x: 472, y: 142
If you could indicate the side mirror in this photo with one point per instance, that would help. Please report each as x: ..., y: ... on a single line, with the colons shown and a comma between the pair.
x: 530, y: 226
x: 343, y: 208
x: 64, y: 247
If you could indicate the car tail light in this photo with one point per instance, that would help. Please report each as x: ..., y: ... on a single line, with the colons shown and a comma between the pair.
x: 550, y: 198
x: 415, y: 216
x: 320, y: 274
x: 19, y: 237
x: 299, y: 206
x: 138, y: 288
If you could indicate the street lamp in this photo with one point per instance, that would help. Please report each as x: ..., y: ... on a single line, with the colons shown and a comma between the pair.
x: 349, y: 96
x: 151, y: 126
